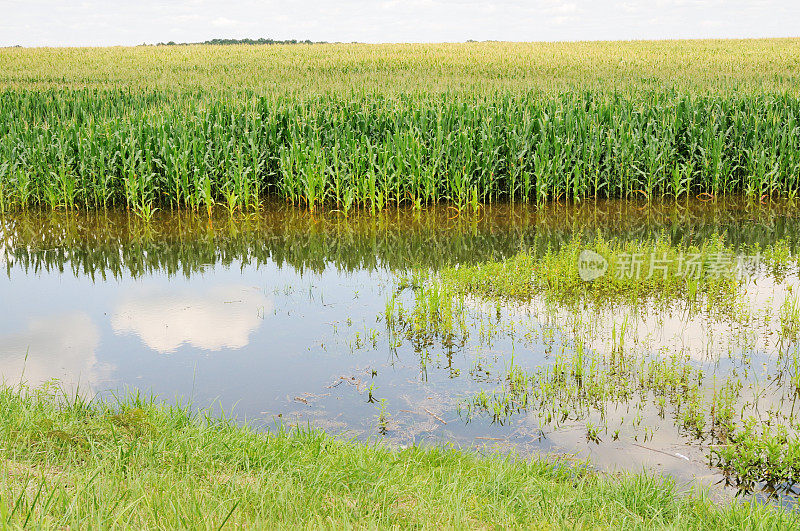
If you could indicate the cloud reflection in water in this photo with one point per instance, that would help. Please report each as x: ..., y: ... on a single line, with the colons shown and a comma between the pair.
x: 222, y: 317
x: 59, y: 347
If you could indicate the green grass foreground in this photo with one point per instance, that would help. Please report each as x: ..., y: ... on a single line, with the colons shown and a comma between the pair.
x: 78, y: 464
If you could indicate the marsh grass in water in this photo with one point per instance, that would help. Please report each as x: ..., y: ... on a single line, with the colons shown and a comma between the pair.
x: 761, y: 455
x: 632, y: 275
x: 132, y: 462
x: 746, y: 428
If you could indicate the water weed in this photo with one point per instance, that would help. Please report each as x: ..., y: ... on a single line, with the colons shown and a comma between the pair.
x: 602, y: 344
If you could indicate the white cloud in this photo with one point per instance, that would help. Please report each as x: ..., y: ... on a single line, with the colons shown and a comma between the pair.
x: 224, y: 22
x: 561, y: 8
x: 92, y: 22
x: 628, y: 7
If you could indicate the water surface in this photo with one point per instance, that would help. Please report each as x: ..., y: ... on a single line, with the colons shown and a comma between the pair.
x: 279, y: 317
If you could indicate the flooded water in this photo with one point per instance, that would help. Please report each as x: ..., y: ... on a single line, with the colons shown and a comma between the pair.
x: 279, y: 317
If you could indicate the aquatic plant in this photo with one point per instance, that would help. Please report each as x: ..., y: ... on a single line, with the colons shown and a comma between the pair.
x: 760, y: 456
x: 703, y: 277
x: 597, y: 365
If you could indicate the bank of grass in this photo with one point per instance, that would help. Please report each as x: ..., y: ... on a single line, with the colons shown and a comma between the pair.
x: 134, y: 463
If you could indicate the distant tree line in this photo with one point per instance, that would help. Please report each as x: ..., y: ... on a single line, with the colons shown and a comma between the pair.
x: 244, y: 41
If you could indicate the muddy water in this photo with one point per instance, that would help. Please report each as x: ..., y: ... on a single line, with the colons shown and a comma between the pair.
x: 277, y: 316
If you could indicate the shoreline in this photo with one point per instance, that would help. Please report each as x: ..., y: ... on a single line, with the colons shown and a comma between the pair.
x: 72, y: 462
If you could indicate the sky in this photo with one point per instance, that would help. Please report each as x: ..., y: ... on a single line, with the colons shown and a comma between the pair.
x: 115, y: 22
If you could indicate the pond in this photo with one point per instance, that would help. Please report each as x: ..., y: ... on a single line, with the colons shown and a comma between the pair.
x: 282, y: 316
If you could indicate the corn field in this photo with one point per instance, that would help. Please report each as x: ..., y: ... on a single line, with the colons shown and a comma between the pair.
x: 109, y: 141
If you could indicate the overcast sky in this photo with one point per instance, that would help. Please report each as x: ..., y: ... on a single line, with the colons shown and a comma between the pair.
x: 109, y: 22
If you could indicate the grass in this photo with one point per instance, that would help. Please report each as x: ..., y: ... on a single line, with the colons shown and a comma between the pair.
x: 136, y: 463
x: 699, y: 276
x: 368, y: 127
x: 760, y: 455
